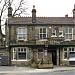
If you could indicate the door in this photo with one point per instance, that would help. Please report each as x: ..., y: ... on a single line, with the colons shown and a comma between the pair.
x: 54, y: 57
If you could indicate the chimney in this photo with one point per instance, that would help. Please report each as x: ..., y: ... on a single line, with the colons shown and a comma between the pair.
x: 9, y: 10
x: 0, y: 20
x: 74, y: 11
x: 33, y: 14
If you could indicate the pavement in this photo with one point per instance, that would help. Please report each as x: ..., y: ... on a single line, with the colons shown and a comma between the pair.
x: 17, y: 69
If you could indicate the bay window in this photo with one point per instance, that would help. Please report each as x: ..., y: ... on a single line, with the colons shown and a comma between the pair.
x: 19, y: 53
x: 68, y: 52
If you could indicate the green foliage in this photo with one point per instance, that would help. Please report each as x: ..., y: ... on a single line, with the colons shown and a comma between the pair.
x: 34, y: 65
x: 41, y: 64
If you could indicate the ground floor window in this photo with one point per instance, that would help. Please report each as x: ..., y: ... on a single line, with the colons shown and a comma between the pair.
x: 19, y: 53
x: 1, y: 55
x: 68, y: 52
x: 65, y: 53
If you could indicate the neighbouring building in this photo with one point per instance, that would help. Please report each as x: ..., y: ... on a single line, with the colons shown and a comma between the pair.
x: 3, y: 51
x: 47, y: 38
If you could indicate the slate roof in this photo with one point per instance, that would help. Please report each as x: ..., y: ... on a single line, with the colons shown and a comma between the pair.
x: 42, y: 20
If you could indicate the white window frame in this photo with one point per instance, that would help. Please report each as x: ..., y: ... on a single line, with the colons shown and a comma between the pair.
x: 1, y: 54
x: 42, y: 33
x: 22, y: 52
x: 14, y: 51
x: 53, y: 32
x: 68, y: 38
x: 64, y: 52
x: 71, y: 49
x: 22, y: 34
x: 61, y: 31
x: 68, y: 51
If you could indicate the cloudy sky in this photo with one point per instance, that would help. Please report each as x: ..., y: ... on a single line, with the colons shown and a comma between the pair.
x: 51, y: 8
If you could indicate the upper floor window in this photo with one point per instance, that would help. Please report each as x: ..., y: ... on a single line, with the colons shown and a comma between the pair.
x: 68, y: 33
x: 61, y: 33
x: 22, y: 33
x: 53, y: 33
x: 43, y: 33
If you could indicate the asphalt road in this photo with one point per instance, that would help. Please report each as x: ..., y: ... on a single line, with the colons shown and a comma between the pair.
x: 49, y: 73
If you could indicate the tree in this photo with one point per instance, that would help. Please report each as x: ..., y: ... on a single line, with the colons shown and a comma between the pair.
x: 19, y: 8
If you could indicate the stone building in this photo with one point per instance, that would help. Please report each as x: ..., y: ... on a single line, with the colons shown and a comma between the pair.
x: 47, y: 38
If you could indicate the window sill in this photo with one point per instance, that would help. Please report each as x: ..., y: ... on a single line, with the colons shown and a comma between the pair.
x: 53, y: 36
x: 65, y: 59
x: 61, y: 36
x: 22, y: 40
x: 42, y: 39
x: 19, y: 60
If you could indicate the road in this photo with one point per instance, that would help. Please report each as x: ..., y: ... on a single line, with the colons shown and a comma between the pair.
x: 49, y: 73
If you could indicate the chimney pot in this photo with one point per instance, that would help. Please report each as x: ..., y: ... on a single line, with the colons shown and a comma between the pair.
x: 66, y: 15
x: 74, y: 11
x: 33, y: 6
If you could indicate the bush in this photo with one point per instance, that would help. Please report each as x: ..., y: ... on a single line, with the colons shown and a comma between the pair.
x: 34, y: 65
x: 42, y: 64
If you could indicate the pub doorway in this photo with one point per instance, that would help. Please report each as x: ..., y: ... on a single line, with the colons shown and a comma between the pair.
x: 54, y: 57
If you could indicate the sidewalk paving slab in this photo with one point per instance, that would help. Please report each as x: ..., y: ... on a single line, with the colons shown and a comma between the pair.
x: 15, y: 69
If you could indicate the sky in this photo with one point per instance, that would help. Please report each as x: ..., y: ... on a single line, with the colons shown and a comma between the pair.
x: 51, y: 8
x: 48, y: 8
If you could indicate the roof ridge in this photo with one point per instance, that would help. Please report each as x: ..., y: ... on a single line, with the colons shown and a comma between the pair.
x: 54, y: 17
x: 22, y: 17
x: 40, y: 17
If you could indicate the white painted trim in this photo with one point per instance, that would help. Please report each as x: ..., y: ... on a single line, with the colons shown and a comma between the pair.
x: 25, y: 34
x: 53, y: 36
x: 42, y: 39
x: 67, y: 52
x: 42, y: 33
x: 63, y: 53
x: 13, y: 54
x: 23, y: 51
x: 2, y: 54
x: 69, y: 34
x: 19, y: 60
x: 61, y: 31
x: 53, y: 32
